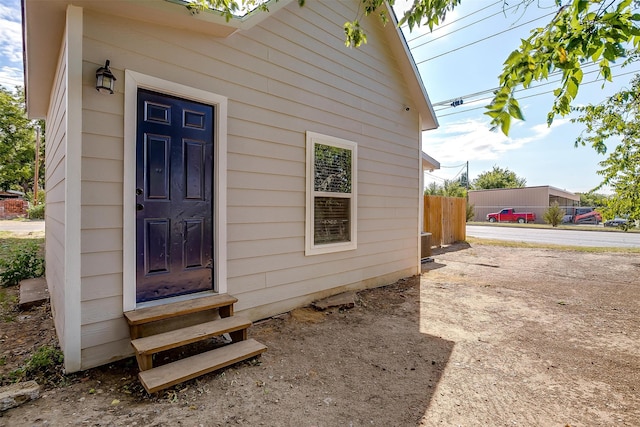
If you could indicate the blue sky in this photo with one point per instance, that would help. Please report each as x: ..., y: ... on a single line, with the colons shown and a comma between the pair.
x: 10, y: 44
x: 541, y: 155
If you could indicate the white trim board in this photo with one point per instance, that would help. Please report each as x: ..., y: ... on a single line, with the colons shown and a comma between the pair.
x: 73, y: 192
x: 133, y: 81
x: 310, y: 247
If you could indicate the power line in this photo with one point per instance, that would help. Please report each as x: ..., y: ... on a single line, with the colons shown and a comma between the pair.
x: 462, y: 28
x: 452, y: 167
x: 484, y: 39
x: 435, y: 177
x: 447, y: 103
x: 531, y: 96
x: 439, y: 27
x: 446, y: 106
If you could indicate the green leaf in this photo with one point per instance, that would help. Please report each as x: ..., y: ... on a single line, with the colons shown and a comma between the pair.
x: 505, y: 123
x: 514, y: 109
x: 572, y: 87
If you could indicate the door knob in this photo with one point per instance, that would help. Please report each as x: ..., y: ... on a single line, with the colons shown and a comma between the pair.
x: 138, y: 191
x: 139, y: 206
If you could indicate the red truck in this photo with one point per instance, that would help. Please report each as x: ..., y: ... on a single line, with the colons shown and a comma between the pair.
x: 510, y: 215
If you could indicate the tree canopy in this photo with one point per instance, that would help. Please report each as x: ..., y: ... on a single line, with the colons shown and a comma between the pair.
x: 594, y: 199
x: 617, y: 118
x: 581, y: 33
x: 17, y: 143
x: 498, y: 178
x: 449, y: 188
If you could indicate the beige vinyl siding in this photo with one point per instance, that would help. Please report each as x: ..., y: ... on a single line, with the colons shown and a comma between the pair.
x: 268, y: 252
x: 55, y: 174
x: 103, y: 325
x: 288, y: 75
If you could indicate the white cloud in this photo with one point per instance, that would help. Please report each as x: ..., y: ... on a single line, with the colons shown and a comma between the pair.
x: 10, y: 10
x: 460, y: 141
x: 472, y: 139
x: 10, y: 39
x: 10, y: 44
x: 11, y: 77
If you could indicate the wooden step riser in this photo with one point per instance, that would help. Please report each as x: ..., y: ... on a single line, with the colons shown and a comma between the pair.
x: 146, y: 347
x: 145, y: 361
x: 222, y: 302
x: 159, y: 378
x: 172, y: 324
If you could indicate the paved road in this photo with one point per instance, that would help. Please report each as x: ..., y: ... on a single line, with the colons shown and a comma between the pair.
x: 21, y: 226
x: 556, y: 237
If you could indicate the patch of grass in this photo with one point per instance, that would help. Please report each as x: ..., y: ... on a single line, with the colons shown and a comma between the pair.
x: 10, y: 241
x: 44, y: 366
x: 586, y: 249
x: 598, y: 228
x: 8, y: 303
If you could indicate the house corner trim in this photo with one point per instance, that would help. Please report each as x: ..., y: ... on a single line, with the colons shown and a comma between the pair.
x: 72, y: 281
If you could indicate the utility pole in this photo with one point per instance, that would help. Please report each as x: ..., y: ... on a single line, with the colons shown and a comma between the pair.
x: 467, y: 182
x: 467, y: 176
x: 37, y: 167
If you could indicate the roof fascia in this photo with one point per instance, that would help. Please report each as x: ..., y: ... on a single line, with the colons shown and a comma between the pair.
x: 411, y: 73
x: 44, y: 21
x: 429, y: 162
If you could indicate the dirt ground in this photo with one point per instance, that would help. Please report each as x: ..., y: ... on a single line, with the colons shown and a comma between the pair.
x: 487, y: 336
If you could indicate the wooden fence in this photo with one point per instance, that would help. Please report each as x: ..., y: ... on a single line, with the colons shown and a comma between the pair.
x: 446, y: 219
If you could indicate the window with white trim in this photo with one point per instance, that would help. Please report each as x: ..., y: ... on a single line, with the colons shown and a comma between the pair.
x: 331, y: 194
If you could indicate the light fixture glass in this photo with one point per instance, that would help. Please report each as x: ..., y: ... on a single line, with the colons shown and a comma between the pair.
x: 105, y: 79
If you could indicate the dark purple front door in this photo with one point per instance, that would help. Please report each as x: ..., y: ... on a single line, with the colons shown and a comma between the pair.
x: 174, y: 208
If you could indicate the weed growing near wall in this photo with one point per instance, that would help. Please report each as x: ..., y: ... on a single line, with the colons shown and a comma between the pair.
x: 23, y: 262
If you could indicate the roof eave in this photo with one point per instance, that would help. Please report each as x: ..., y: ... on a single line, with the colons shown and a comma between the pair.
x: 44, y: 24
x: 412, y: 75
x: 429, y: 163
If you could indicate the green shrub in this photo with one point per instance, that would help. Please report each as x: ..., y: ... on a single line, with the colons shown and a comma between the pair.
x: 553, y: 215
x: 471, y: 213
x: 36, y: 212
x: 24, y: 262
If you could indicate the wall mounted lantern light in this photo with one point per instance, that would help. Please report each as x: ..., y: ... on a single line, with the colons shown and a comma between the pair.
x: 105, y: 79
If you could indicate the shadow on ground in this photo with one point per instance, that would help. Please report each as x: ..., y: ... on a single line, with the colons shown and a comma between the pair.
x: 455, y: 247
x: 369, y: 365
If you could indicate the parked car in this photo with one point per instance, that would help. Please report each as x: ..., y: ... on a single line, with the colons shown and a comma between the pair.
x: 510, y: 215
x: 616, y: 222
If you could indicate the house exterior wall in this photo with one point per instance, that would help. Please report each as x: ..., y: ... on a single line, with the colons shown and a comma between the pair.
x: 55, y: 176
x: 289, y: 75
x: 527, y: 199
x: 63, y: 192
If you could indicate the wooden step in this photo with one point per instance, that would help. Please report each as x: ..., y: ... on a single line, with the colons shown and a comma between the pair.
x: 185, y: 369
x: 146, y: 347
x: 138, y: 318
x: 167, y: 311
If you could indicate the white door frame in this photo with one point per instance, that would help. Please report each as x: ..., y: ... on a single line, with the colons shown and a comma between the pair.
x: 133, y: 81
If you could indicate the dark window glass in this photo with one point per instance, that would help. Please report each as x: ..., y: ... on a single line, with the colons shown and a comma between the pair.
x: 332, y: 220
